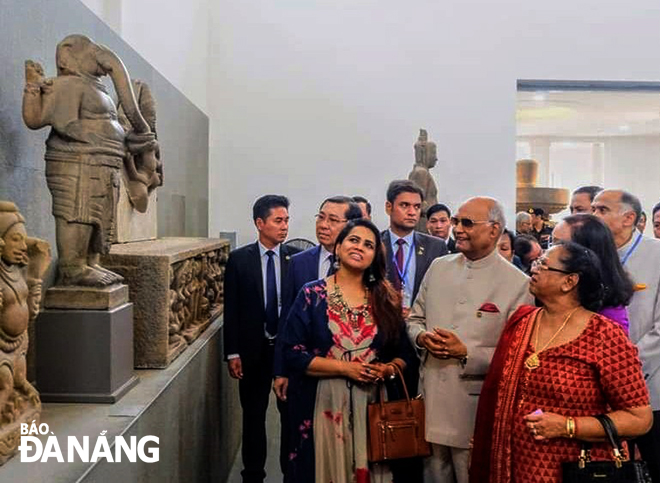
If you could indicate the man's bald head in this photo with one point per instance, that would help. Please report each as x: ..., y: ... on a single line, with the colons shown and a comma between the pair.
x: 478, y: 224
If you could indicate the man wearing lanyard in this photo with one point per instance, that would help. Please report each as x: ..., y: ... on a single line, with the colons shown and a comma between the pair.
x: 641, y: 258
x: 409, y: 252
x: 409, y: 255
x: 253, y: 280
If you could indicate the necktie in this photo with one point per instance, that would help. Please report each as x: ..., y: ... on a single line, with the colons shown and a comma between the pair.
x: 331, y: 268
x: 271, y: 295
x: 399, y: 263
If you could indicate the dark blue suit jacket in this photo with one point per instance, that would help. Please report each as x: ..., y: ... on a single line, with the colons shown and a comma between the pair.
x: 303, y: 268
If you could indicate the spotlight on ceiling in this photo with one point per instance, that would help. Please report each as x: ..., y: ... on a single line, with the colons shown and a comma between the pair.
x: 540, y: 96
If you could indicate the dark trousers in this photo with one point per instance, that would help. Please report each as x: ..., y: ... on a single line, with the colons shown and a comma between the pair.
x: 649, y: 447
x: 254, y: 391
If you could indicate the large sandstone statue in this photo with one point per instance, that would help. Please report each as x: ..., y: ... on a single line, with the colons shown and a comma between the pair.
x: 22, y: 265
x: 85, y: 151
x: 425, y: 159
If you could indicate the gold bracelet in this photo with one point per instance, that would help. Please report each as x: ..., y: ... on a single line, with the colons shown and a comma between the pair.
x: 570, y: 427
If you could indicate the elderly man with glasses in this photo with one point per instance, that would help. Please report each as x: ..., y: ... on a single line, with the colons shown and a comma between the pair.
x: 456, y: 319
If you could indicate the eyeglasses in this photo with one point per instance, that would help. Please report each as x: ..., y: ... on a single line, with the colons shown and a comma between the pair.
x: 332, y: 220
x: 466, y: 222
x: 539, y: 263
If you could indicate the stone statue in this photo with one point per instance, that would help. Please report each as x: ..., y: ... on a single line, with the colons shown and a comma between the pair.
x: 23, y: 262
x: 425, y: 159
x: 85, y: 151
x: 145, y: 173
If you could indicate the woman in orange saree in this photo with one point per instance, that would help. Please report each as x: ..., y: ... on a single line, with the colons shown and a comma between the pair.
x: 555, y: 368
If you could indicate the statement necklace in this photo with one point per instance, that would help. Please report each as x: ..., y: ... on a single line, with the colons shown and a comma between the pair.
x: 351, y: 315
x: 533, y: 361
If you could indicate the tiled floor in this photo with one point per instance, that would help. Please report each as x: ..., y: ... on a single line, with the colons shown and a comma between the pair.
x: 273, y: 473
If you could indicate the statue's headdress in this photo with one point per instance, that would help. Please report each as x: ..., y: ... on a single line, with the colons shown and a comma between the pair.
x: 9, y: 216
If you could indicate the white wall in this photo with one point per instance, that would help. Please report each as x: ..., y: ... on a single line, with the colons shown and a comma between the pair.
x: 317, y: 97
x: 172, y: 35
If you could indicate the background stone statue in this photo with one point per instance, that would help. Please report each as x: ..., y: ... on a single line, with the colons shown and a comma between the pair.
x: 425, y: 158
x: 145, y: 173
x: 85, y: 151
x: 23, y: 262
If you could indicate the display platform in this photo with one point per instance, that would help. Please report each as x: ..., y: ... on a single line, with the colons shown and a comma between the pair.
x: 191, y: 406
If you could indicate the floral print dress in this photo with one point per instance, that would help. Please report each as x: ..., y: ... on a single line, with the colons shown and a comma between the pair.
x: 329, y: 415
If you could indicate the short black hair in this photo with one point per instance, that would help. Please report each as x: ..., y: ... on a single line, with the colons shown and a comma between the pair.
x: 656, y: 208
x: 522, y: 245
x: 536, y: 211
x: 592, y: 191
x: 632, y: 201
x: 399, y: 186
x: 261, y: 208
x: 436, y: 208
x: 512, y: 237
x: 353, y: 210
x: 362, y: 199
x: 585, y: 263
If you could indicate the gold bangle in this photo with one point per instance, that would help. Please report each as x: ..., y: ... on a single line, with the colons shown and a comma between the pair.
x: 570, y: 427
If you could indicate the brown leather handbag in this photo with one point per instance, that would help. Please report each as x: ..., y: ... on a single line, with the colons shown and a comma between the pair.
x: 396, y: 428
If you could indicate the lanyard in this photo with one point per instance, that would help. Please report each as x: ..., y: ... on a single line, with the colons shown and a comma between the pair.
x: 404, y: 276
x: 631, y: 249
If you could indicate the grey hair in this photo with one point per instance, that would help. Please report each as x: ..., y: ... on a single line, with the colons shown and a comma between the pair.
x: 523, y: 215
x: 630, y: 202
x: 496, y: 214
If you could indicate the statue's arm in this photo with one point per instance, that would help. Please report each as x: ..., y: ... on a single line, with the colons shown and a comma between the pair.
x: 39, y: 257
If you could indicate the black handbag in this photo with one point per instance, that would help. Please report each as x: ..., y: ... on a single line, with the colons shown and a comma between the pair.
x: 584, y: 470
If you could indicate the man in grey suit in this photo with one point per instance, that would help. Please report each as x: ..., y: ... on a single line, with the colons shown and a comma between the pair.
x: 640, y: 256
x: 456, y: 320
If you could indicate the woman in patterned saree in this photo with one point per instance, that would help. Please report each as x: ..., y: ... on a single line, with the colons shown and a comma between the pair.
x: 556, y: 367
x: 343, y: 335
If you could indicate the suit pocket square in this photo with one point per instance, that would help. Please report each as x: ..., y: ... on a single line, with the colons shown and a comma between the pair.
x: 489, y: 307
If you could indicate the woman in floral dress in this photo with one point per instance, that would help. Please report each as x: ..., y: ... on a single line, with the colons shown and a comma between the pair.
x: 343, y: 336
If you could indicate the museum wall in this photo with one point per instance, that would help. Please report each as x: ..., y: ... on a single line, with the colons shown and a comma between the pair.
x: 32, y: 31
x: 314, y: 98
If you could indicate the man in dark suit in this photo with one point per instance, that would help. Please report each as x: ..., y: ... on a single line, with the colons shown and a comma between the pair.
x: 312, y: 264
x: 409, y: 255
x: 438, y: 224
x: 409, y: 252
x: 253, y: 281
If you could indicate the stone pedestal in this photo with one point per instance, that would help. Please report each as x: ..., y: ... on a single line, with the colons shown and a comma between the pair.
x: 85, y: 355
x: 175, y: 285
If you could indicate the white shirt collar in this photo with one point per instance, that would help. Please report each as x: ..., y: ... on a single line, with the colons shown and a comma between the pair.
x: 324, y: 254
x: 263, y: 249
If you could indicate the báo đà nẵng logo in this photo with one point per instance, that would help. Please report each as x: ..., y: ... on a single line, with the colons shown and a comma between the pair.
x: 32, y: 449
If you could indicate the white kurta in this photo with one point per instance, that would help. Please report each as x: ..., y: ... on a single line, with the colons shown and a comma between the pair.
x: 643, y: 265
x: 450, y: 297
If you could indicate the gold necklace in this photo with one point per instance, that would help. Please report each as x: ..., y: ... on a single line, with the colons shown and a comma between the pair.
x: 533, y: 361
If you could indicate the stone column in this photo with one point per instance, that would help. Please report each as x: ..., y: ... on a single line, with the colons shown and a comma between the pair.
x: 540, y: 151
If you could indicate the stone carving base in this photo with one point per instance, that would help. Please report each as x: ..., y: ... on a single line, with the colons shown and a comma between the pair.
x: 85, y: 355
x: 90, y: 298
x: 12, y: 434
x: 176, y: 286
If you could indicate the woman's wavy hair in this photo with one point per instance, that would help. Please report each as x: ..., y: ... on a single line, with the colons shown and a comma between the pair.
x: 589, y: 231
x: 584, y: 262
x: 384, y: 300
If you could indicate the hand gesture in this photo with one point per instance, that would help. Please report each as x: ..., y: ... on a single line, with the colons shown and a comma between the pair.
x: 452, y: 346
x: 34, y: 73
x: 433, y: 343
x: 361, y: 372
x: 235, y: 368
x: 280, y: 386
x: 545, y: 425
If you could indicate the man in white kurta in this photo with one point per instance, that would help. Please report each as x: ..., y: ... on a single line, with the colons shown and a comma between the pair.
x: 640, y: 257
x: 456, y: 320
